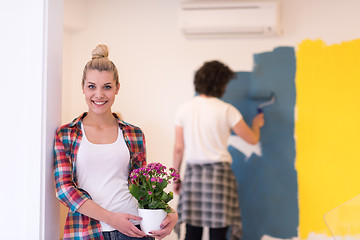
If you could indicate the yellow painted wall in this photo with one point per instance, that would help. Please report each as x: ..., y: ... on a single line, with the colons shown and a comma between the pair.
x: 327, y: 130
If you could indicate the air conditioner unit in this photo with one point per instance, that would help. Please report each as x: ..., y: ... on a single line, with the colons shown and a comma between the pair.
x: 230, y: 18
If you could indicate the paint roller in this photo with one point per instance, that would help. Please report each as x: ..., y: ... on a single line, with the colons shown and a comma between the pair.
x: 267, y: 99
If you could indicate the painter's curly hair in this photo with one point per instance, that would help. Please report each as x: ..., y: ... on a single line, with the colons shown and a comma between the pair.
x: 211, y: 79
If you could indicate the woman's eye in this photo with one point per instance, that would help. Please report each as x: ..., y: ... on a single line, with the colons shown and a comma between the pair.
x: 107, y: 87
x: 91, y: 86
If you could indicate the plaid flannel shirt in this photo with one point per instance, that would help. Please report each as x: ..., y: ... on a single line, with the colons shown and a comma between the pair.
x: 67, y: 141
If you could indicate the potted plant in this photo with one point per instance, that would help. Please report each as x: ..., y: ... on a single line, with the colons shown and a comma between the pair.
x: 148, y: 185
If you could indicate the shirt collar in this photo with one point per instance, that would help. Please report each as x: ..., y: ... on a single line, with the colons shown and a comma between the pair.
x: 77, y: 121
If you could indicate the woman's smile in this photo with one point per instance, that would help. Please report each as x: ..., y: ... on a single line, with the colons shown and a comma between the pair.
x: 98, y: 103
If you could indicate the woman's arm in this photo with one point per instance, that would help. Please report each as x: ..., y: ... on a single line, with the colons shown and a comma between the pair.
x: 178, y: 154
x: 66, y: 190
x: 250, y: 135
x: 119, y: 221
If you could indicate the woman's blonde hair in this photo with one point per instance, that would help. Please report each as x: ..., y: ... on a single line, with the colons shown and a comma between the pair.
x: 101, y: 62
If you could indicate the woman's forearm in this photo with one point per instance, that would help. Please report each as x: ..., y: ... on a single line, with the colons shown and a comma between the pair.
x: 95, y: 211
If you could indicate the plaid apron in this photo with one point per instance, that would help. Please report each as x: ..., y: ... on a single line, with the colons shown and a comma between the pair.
x: 209, y: 198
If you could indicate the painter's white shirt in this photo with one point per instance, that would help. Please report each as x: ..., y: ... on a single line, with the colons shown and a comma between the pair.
x: 207, y: 124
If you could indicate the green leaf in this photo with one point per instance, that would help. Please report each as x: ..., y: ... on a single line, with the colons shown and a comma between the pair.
x: 162, y: 185
x: 164, y: 196
x: 162, y: 205
x: 141, y: 205
x: 135, y: 191
x: 158, y: 192
x: 154, y: 205
x: 170, y: 196
x: 168, y: 209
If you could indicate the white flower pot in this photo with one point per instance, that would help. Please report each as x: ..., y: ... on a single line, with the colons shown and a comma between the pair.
x: 151, y: 219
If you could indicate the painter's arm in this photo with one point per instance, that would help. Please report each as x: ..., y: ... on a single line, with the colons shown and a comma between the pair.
x: 250, y: 135
x: 178, y: 154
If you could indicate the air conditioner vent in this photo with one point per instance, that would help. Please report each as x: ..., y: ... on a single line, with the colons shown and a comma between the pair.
x: 223, y: 18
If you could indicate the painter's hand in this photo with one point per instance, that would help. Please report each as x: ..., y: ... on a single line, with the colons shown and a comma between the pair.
x: 121, y: 221
x: 167, y: 225
x: 258, y: 120
x: 177, y: 187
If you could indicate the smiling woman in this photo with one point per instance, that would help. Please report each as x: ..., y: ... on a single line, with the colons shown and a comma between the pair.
x: 92, y: 158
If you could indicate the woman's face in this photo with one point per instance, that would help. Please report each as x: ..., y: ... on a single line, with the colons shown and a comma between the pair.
x: 100, y: 89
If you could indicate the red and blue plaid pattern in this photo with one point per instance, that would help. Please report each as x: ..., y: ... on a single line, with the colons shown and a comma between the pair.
x: 67, y: 141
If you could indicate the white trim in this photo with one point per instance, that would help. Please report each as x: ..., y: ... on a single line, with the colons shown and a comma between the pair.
x: 51, y: 115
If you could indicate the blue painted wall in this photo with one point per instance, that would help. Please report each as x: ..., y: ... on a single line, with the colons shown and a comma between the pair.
x: 268, y: 184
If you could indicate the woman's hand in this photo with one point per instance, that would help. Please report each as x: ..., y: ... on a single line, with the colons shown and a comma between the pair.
x: 167, y: 225
x: 122, y: 223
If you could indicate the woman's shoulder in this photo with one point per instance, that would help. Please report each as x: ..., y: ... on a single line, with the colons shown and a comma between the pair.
x: 73, y: 125
x: 129, y: 126
x: 64, y: 127
x: 134, y: 133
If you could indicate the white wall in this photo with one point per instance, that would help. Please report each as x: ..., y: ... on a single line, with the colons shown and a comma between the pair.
x: 156, y: 62
x: 30, y: 99
x: 20, y: 81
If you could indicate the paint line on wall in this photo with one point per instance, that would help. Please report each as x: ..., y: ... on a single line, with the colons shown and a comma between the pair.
x: 244, y: 147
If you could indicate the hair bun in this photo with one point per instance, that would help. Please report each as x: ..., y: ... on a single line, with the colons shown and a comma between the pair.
x: 101, y: 51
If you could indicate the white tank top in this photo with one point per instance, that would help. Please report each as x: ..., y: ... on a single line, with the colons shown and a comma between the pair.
x: 102, y: 170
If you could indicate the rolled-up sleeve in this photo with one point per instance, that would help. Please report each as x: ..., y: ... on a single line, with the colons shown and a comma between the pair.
x: 66, y: 189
